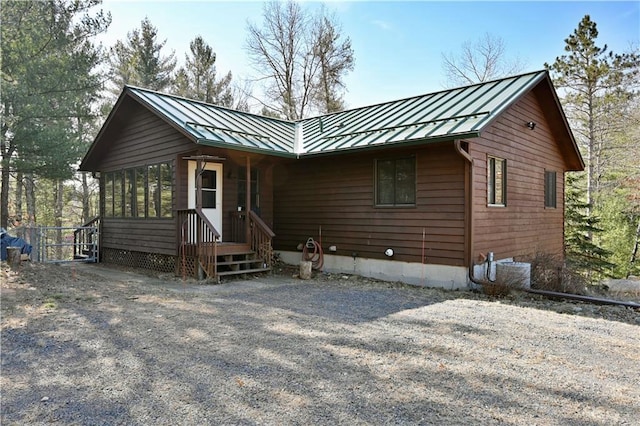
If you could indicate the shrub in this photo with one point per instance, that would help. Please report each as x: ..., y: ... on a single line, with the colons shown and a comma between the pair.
x: 549, y: 272
x: 496, y: 289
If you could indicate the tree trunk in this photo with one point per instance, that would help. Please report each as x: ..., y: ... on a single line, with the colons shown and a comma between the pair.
x: 4, y: 197
x: 7, y: 148
x: 58, y: 193
x: 19, y: 187
x: 30, y: 197
x: 14, y: 257
x: 634, y: 253
x: 590, y: 155
x: 17, y: 219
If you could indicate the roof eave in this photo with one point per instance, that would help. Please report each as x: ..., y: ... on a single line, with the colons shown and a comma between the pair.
x: 398, y: 144
x: 255, y: 150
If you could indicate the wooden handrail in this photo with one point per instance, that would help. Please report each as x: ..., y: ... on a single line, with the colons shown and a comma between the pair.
x: 198, y: 239
x: 206, y: 222
x: 261, y: 236
x: 84, y: 240
x: 263, y: 226
x: 91, y: 222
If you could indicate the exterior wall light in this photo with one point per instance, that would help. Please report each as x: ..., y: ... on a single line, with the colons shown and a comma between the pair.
x: 388, y: 252
x: 531, y: 125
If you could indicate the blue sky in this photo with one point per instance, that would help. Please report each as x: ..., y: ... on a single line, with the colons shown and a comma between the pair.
x: 398, y: 46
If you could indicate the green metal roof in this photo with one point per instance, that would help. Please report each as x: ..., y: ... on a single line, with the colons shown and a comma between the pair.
x: 214, y: 125
x: 456, y: 113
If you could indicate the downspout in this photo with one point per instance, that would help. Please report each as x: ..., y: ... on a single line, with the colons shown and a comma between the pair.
x: 469, y: 213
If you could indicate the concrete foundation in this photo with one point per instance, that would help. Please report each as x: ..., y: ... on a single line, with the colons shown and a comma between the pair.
x: 440, y: 276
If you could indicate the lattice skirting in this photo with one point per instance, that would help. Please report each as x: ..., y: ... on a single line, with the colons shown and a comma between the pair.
x: 137, y: 259
x: 187, y: 266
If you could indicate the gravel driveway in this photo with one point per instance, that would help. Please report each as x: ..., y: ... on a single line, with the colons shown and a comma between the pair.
x: 88, y: 345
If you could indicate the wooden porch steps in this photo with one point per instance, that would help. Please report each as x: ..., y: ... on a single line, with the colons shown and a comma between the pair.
x: 239, y: 261
x: 243, y: 271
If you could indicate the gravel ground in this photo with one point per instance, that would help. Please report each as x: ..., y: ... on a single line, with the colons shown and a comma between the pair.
x: 84, y: 344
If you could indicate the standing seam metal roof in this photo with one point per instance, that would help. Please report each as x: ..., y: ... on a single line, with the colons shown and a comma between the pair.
x: 456, y: 113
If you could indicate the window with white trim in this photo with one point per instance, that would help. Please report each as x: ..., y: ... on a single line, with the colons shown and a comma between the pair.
x: 496, y: 181
x: 550, y: 189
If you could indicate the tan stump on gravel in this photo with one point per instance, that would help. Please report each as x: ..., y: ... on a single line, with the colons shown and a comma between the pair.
x: 305, y: 270
x: 13, y: 257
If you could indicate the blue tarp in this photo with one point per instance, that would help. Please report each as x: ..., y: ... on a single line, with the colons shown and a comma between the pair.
x: 7, y: 240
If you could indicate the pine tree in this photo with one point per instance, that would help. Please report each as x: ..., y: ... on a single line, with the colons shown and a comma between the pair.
x: 198, y: 78
x: 139, y: 61
x: 597, y: 83
x: 49, y: 79
x: 582, y: 254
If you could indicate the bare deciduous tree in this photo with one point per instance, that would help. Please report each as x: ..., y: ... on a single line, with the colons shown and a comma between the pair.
x: 479, y: 61
x: 291, y: 51
x: 336, y: 58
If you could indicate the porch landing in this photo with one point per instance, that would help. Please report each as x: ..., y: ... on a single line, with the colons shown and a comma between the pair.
x: 228, y: 248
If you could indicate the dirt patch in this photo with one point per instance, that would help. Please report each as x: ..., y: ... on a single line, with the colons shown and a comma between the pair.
x: 87, y: 344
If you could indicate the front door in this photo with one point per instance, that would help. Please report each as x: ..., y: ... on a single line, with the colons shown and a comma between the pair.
x: 211, y: 192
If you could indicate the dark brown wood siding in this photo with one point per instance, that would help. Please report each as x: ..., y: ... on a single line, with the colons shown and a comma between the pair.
x: 524, y: 226
x: 337, y: 194
x: 144, y: 235
x: 141, y: 139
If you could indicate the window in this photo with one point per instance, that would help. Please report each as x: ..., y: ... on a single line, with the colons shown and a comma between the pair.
x: 209, y: 181
x: 139, y: 192
x: 153, y: 198
x: 497, y: 181
x: 166, y: 190
x: 141, y: 189
x: 550, y: 189
x: 396, y: 182
x: 117, y: 194
x: 129, y: 193
x: 108, y: 194
x: 242, y: 189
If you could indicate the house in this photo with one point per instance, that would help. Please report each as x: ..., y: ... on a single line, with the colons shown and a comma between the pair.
x: 412, y: 190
